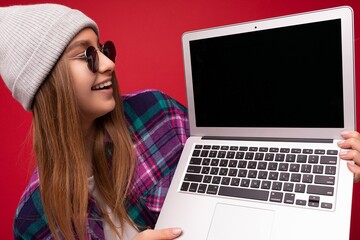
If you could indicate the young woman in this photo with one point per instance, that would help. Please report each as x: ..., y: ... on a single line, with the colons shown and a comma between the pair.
x: 91, y: 181
x: 55, y: 66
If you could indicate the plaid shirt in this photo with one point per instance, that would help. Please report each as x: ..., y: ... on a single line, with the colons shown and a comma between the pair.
x: 159, y: 128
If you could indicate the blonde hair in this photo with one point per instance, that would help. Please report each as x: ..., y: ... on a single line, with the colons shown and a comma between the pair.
x: 60, y: 153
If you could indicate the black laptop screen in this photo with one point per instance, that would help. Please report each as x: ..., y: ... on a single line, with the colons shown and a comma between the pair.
x: 285, y: 77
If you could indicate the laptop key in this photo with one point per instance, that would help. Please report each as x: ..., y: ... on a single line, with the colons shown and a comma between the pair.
x: 318, y: 169
x: 319, y: 151
x: 245, y: 182
x: 328, y: 160
x: 193, y: 187
x: 277, y: 186
x: 206, y: 161
x: 296, y: 150
x: 194, y: 169
x: 272, y: 166
x: 284, y: 150
x: 276, y: 197
x: 259, y: 156
x: 225, y: 181
x: 185, y: 186
x: 235, y: 182
x: 269, y: 157
x: 300, y: 202
x: 230, y: 155
x: 290, y: 158
x: 247, y: 193
x: 242, y: 164
x: 193, y: 178
x: 233, y: 163
x: 204, y: 153
x: 249, y: 155
x: 289, y: 198
x: 284, y: 176
x: 306, y: 168
x: 195, y: 161
x: 279, y: 157
x: 213, y: 153
x: 205, y: 170
x: 216, y: 180
x: 313, y: 159
x: 332, y: 152
x: 307, y: 178
x: 263, y: 149
x: 326, y: 205
x: 221, y: 154
x: 240, y: 155
x: 265, y: 184
x: 274, y: 149
x: 301, y: 158
x: 232, y: 172
x: 242, y: 173
x: 326, y: 180
x: 288, y: 187
x: 308, y: 151
x: 196, y: 153
x: 294, y: 167
x: 202, y: 188
x: 330, y: 170
x: 314, y: 201
x: 320, y: 190
x: 300, y: 188
x: 207, y: 179
x: 214, y: 162
x: 212, y: 189
x: 255, y: 183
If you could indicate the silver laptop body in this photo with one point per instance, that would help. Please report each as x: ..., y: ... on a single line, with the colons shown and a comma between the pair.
x: 267, y: 101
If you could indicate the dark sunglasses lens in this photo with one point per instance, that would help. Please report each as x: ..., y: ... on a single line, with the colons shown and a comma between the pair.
x: 109, y: 50
x: 92, y: 59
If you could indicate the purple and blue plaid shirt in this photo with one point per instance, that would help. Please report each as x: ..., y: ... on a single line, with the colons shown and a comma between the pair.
x: 159, y: 128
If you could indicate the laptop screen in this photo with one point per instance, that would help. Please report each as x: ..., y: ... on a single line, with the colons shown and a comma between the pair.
x: 287, y: 77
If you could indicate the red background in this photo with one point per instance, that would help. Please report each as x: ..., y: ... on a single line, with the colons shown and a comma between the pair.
x: 147, y: 34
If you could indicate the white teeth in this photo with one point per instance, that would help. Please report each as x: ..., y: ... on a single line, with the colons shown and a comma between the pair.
x: 102, y: 85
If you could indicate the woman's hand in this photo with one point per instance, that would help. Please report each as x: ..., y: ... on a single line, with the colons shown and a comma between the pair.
x: 162, y: 234
x: 350, y: 150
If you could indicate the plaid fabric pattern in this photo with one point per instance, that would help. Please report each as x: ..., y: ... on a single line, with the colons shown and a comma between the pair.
x: 159, y: 128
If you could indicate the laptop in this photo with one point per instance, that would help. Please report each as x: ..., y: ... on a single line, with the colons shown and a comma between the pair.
x: 267, y: 101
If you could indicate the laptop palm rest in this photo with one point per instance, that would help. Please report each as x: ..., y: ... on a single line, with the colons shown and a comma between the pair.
x: 232, y: 222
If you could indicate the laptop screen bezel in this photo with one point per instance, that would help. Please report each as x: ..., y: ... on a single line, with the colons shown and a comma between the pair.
x: 347, y: 38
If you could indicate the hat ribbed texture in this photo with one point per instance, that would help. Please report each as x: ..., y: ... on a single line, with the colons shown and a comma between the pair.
x: 32, y: 38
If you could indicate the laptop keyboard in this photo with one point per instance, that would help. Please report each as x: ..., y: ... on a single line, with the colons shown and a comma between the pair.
x: 291, y: 176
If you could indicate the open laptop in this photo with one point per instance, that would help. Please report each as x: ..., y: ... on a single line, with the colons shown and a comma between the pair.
x: 267, y: 101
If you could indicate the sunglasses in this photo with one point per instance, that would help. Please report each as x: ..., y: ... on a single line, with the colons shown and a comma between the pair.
x: 92, y: 58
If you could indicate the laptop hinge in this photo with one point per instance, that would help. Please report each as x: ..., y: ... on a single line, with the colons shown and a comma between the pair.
x: 311, y: 140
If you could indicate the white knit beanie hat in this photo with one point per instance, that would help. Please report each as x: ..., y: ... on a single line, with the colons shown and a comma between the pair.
x: 32, y: 38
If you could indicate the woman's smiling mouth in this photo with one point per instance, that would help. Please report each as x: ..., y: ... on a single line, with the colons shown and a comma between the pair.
x: 101, y: 86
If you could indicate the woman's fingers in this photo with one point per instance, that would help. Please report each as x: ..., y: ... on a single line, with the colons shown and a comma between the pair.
x: 162, y: 234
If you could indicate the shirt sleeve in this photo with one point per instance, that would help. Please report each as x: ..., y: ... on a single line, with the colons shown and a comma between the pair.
x: 30, y: 221
x: 159, y: 128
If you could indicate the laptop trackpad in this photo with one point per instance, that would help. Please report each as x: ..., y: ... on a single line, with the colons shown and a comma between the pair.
x: 232, y: 222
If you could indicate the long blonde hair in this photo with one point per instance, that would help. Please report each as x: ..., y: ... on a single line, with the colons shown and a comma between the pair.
x: 60, y: 153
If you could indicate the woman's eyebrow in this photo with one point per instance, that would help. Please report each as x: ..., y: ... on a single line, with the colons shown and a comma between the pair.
x: 79, y: 43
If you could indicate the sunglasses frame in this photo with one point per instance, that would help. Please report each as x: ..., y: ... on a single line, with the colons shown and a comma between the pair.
x: 92, y: 57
